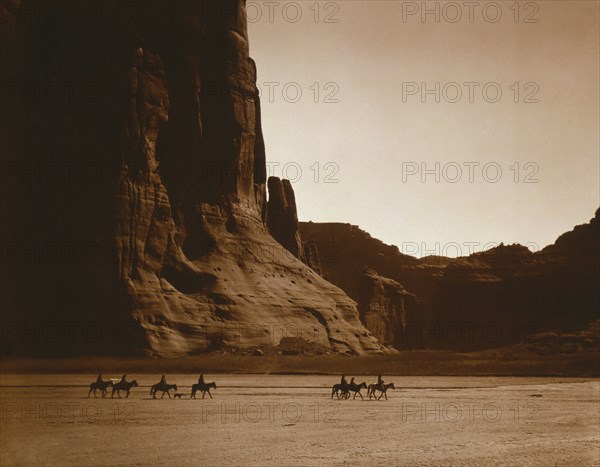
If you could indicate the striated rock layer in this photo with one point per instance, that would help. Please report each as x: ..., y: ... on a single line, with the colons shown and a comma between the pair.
x: 169, y: 190
x: 489, y: 299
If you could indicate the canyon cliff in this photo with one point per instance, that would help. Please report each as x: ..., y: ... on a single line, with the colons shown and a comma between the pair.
x: 489, y: 299
x: 135, y: 195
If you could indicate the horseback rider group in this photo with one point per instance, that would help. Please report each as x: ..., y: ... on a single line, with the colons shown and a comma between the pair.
x: 162, y: 386
x: 343, y: 389
x: 345, y: 383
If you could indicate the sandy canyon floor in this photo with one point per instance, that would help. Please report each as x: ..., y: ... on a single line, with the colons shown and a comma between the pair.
x: 48, y: 420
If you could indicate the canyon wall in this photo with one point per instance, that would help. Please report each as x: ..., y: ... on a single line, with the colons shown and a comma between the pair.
x: 135, y: 198
x: 489, y: 299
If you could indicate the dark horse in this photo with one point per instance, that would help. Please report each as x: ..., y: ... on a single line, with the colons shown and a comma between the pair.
x: 102, y: 385
x: 340, y: 390
x: 204, y: 387
x: 381, y: 388
x: 162, y: 387
x: 123, y: 386
x: 355, y: 388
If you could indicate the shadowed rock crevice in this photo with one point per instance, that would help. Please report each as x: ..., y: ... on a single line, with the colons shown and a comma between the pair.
x: 282, y: 215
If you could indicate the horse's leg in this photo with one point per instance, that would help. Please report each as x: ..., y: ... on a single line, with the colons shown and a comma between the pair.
x: 89, y: 392
x: 209, y: 394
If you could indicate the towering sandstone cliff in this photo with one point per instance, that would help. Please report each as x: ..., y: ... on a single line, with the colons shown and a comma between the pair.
x: 161, y: 229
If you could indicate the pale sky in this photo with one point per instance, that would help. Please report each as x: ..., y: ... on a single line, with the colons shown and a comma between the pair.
x: 374, y: 136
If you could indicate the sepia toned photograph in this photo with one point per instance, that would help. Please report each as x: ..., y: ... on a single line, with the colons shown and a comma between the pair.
x: 299, y: 233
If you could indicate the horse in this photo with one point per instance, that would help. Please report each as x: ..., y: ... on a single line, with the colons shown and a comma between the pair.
x: 355, y: 388
x: 381, y: 388
x: 340, y: 390
x: 204, y: 387
x: 162, y: 387
x: 102, y: 385
x: 123, y: 386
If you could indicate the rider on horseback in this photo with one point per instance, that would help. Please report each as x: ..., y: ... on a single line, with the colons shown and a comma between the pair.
x: 201, y: 379
x: 380, y: 381
x: 343, y: 382
x: 163, y: 380
x: 123, y: 379
x: 99, y: 379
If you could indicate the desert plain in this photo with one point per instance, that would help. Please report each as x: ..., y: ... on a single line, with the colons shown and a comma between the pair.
x: 291, y: 420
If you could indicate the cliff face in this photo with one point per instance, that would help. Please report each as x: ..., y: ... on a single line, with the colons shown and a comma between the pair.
x: 161, y: 132
x: 488, y: 299
x: 386, y: 308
